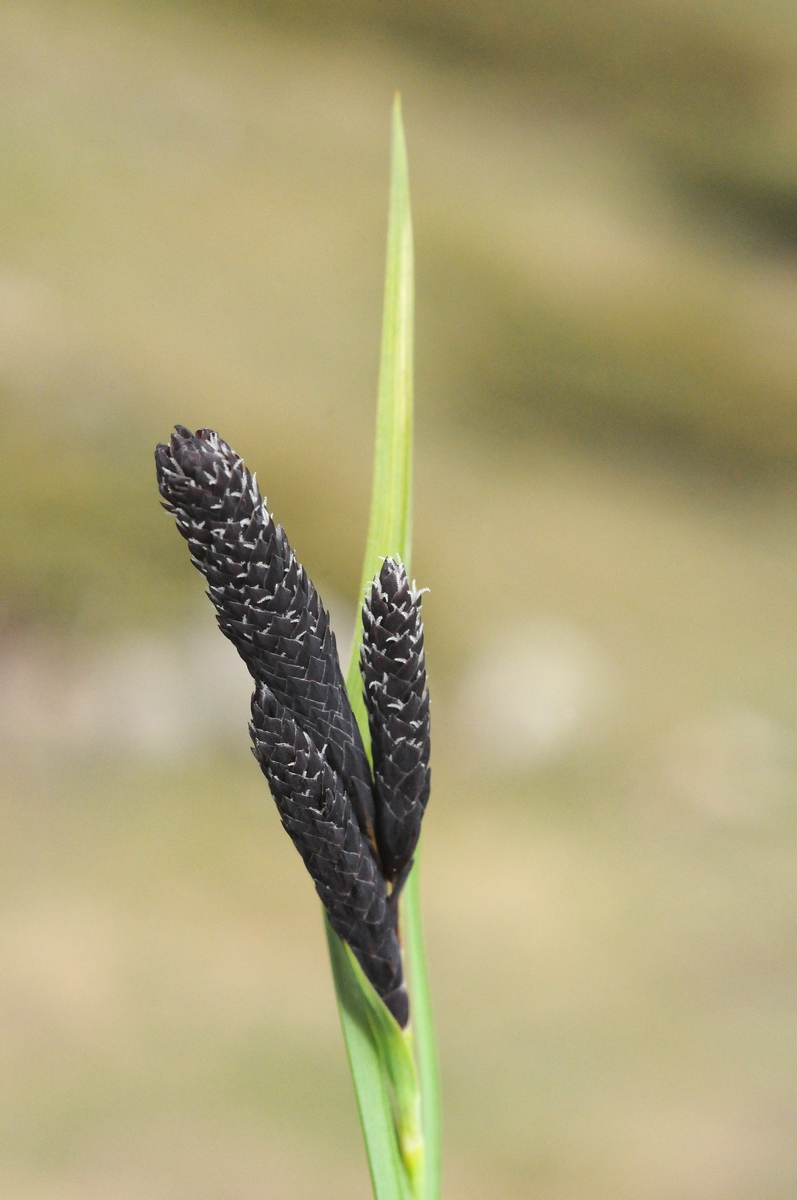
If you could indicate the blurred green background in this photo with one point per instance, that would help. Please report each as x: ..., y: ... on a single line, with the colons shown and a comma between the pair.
x: 192, y: 228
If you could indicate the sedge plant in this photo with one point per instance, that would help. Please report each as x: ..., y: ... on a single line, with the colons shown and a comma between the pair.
x: 347, y: 761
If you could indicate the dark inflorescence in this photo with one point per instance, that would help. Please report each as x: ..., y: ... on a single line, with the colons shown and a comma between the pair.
x: 355, y: 834
x: 265, y: 603
x: 318, y: 815
x: 393, y: 668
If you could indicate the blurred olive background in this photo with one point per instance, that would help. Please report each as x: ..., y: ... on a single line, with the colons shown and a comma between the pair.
x: 192, y: 226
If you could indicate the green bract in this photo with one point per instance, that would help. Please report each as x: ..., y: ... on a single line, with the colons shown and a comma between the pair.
x: 394, y: 1071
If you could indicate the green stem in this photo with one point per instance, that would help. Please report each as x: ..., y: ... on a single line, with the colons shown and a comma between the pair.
x: 425, y: 1049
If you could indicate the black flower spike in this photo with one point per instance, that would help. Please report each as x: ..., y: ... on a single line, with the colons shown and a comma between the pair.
x: 318, y: 815
x: 394, y: 677
x: 265, y: 603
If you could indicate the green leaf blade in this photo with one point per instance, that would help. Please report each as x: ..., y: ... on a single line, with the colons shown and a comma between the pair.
x: 390, y: 523
x: 383, y: 1065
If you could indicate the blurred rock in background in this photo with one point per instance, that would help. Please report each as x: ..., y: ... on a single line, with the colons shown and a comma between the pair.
x: 193, y: 211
